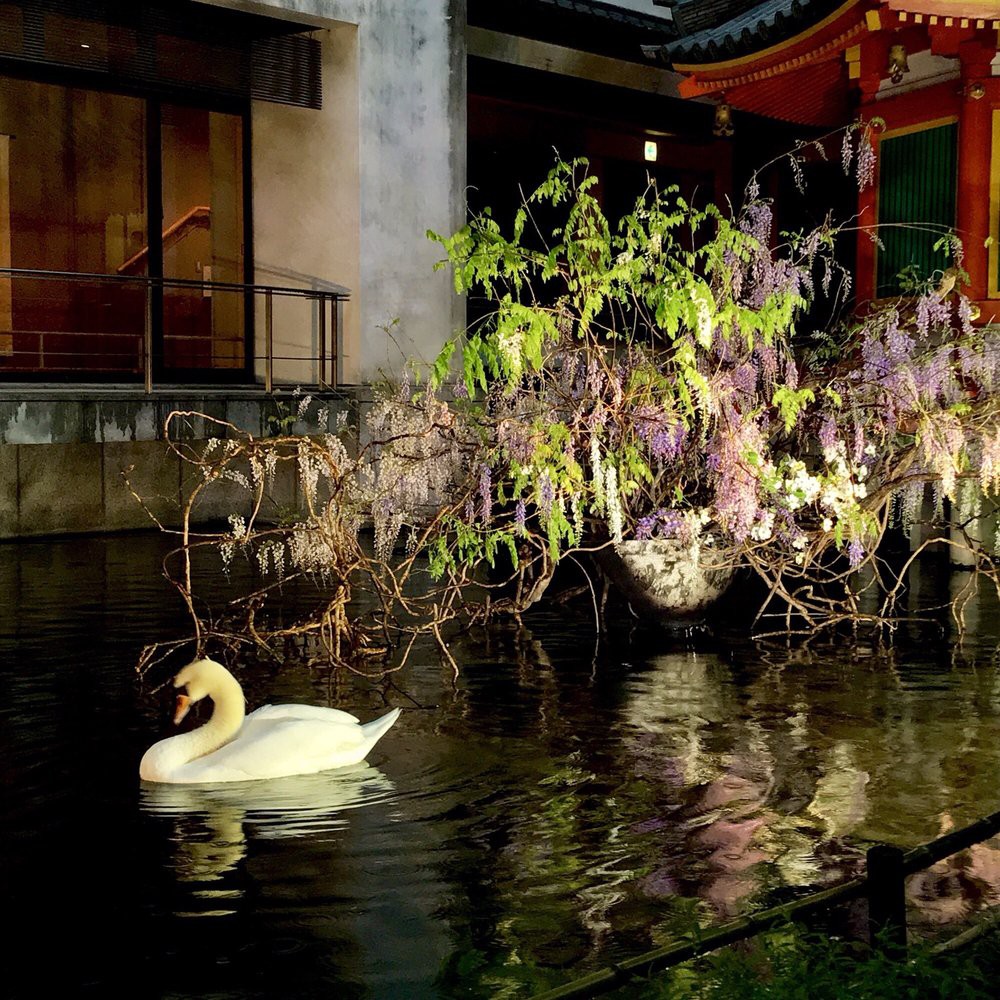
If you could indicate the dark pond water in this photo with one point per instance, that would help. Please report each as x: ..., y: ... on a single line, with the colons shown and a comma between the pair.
x: 552, y: 810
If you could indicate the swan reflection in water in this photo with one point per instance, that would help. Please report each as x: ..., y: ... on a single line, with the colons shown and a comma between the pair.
x: 212, y: 824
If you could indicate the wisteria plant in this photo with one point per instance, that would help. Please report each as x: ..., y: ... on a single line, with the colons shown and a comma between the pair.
x: 656, y: 377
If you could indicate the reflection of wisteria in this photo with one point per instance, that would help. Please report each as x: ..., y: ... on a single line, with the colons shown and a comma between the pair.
x: 793, y: 796
x: 954, y: 890
x: 726, y: 788
x: 840, y: 799
x: 609, y: 884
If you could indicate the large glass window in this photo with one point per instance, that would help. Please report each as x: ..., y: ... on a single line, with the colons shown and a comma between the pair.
x: 76, y: 191
x: 72, y: 198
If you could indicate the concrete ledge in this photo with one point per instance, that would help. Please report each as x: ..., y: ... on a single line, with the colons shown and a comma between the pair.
x: 8, y: 490
x: 48, y: 414
x: 63, y: 452
x: 57, y: 489
x: 153, y: 471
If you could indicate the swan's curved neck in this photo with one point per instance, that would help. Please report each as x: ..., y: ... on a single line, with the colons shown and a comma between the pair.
x: 164, y: 758
x: 227, y: 717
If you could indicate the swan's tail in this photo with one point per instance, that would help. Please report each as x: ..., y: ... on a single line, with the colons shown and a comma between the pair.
x: 377, y: 728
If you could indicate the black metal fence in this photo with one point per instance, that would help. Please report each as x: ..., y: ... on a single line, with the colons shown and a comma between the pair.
x: 883, y: 884
x: 166, y: 329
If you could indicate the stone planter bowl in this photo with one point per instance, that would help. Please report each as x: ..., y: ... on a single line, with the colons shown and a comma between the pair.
x: 666, y: 577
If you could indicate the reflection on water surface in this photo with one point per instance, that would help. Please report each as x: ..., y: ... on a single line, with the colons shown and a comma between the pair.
x: 550, y: 812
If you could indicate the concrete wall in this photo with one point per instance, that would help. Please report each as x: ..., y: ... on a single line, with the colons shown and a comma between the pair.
x: 58, y: 489
x: 307, y: 212
x: 62, y: 456
x: 346, y: 194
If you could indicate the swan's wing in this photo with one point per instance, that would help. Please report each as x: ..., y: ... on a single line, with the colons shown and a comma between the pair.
x: 278, y: 747
x: 271, y: 712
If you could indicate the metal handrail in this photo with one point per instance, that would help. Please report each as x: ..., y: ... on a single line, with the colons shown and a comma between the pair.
x: 197, y: 217
x: 327, y: 360
x: 97, y: 277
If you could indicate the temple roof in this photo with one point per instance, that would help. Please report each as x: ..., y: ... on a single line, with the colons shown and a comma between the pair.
x: 732, y: 28
x: 948, y: 8
x: 714, y: 31
x: 692, y: 16
x: 796, y: 59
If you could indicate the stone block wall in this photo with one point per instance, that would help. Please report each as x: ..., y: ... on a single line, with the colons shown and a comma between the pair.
x: 62, y: 461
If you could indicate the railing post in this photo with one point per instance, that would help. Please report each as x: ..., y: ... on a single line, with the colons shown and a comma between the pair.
x: 335, y: 339
x: 322, y: 341
x: 147, y: 341
x: 268, y: 341
x: 887, y: 900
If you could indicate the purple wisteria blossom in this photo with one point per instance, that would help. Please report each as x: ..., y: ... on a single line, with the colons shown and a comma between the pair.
x: 855, y: 553
x: 866, y: 164
x: 757, y: 221
x: 827, y: 279
x: 734, y: 268
x: 858, y: 452
x: 485, y: 494
x: 846, y: 152
x: 828, y: 432
x: 663, y: 523
x: 965, y: 315
x: 898, y: 344
x: 663, y: 432
x: 514, y: 440
x: 645, y: 526
x: 876, y: 363
x: 736, y: 487
x: 520, y: 518
x: 546, y: 495
x: 745, y: 378
x: 768, y: 359
x: 931, y: 312
x: 791, y: 373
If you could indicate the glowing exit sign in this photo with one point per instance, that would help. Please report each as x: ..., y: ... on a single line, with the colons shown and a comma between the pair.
x: 650, y: 150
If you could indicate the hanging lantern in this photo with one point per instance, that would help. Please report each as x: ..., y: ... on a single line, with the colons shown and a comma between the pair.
x: 897, y: 62
x: 723, y: 125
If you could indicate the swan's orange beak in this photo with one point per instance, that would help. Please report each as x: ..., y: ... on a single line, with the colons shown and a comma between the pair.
x: 181, y: 708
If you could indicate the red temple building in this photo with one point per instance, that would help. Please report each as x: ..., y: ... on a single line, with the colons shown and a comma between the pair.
x: 928, y: 69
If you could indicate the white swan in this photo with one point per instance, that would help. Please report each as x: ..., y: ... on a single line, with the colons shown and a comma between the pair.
x: 273, y: 742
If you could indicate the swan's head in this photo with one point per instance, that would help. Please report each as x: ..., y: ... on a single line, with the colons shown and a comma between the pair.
x: 196, y: 681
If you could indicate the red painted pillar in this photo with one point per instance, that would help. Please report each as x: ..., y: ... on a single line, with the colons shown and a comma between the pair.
x: 872, y: 63
x: 974, y: 141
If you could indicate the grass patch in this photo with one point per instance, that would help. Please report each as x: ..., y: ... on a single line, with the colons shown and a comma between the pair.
x: 796, y: 966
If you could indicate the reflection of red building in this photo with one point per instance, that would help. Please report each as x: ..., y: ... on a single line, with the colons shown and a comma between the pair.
x: 929, y: 69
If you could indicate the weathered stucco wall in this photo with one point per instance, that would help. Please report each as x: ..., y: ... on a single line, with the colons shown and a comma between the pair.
x: 307, y: 213
x: 351, y: 190
x: 62, y: 455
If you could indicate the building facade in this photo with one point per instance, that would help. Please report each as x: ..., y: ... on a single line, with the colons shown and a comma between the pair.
x: 924, y: 74
x: 202, y: 201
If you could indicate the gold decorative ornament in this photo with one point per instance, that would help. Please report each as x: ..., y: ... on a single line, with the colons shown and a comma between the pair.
x: 723, y: 125
x: 897, y: 62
